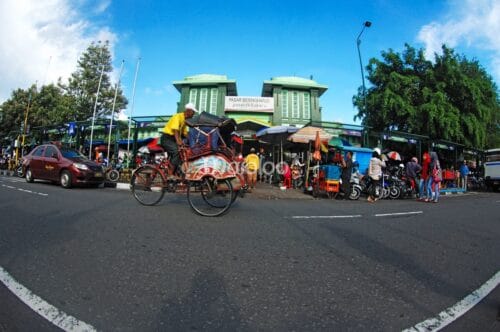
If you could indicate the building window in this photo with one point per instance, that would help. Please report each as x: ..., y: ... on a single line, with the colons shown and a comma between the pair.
x: 284, y: 104
x: 307, y: 106
x: 203, y: 100
x: 214, y: 93
x: 192, y: 96
x: 295, y: 105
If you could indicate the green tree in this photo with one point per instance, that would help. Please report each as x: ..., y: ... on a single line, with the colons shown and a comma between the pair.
x: 83, y: 84
x: 14, y: 111
x: 453, y: 99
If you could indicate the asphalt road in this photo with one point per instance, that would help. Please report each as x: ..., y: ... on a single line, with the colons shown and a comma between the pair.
x: 267, y: 265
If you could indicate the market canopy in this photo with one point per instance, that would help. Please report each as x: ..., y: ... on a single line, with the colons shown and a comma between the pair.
x: 275, y: 134
x: 337, y: 141
x: 308, y: 134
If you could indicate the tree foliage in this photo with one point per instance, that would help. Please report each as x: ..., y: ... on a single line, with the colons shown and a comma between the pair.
x: 84, y: 83
x: 55, y: 105
x: 452, y: 99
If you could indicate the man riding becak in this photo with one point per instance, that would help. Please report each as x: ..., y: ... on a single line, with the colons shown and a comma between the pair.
x: 173, y: 132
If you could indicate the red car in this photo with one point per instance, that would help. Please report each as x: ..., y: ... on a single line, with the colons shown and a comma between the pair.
x: 66, y: 166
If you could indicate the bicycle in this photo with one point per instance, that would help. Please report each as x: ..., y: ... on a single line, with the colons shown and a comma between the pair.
x: 207, y: 178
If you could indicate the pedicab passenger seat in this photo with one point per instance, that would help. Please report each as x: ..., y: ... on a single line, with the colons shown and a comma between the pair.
x: 206, y: 134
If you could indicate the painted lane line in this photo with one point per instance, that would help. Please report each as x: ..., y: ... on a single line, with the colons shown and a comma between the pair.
x: 326, y: 217
x: 25, y: 190
x: 449, y: 315
x: 43, y: 308
x: 398, y: 213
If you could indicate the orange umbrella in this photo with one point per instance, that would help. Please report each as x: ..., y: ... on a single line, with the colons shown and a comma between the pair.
x: 317, y: 147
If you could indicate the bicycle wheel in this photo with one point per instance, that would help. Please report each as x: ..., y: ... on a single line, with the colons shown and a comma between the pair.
x: 210, y: 197
x: 148, y: 185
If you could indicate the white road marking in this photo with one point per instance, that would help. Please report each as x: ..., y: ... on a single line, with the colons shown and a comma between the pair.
x: 25, y: 190
x: 43, y: 308
x: 326, y: 217
x: 398, y: 213
x: 449, y: 315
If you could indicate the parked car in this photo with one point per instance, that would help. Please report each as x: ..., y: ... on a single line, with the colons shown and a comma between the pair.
x: 64, y: 165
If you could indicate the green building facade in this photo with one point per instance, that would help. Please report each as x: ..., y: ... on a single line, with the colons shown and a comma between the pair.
x: 295, y: 100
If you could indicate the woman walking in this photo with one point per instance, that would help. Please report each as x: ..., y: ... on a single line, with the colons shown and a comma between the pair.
x: 375, y: 172
x: 435, y: 177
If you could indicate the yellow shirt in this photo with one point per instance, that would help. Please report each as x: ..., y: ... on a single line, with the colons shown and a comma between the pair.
x: 252, y: 161
x: 176, y: 122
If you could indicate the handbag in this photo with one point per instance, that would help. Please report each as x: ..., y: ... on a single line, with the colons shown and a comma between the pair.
x: 437, y: 174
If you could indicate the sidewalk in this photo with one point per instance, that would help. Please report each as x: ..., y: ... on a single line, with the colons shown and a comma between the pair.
x: 268, y: 191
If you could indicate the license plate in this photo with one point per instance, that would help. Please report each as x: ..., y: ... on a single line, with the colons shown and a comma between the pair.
x: 98, y: 174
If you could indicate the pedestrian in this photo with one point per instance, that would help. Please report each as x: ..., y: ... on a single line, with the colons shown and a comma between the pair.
x: 424, y: 191
x: 435, y: 178
x: 464, y: 172
x: 412, y: 170
x: 346, y: 174
x: 173, y: 132
x: 375, y: 173
x: 252, y: 167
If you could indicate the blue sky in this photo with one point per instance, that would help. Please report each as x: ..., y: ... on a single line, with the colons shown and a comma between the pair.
x: 249, y: 41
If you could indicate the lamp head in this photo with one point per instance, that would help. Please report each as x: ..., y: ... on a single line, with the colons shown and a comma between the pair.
x: 368, y: 24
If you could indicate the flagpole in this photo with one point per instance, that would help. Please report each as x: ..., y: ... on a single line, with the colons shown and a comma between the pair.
x: 131, y: 111
x: 95, y: 105
x: 113, y: 111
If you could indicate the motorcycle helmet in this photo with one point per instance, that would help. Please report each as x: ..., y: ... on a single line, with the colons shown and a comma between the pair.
x: 378, y: 151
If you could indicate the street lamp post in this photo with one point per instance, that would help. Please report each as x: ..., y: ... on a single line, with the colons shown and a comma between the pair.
x: 367, y: 24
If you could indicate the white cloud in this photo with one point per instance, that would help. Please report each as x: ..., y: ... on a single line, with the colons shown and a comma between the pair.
x: 102, y: 6
x: 41, y: 41
x: 470, y: 23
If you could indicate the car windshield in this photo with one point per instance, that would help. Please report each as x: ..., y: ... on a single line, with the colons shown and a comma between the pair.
x: 70, y: 153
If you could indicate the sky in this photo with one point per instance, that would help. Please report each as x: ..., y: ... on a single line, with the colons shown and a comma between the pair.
x: 247, y: 40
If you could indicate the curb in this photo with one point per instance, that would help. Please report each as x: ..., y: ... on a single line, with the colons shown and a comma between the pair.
x: 6, y: 172
x: 122, y: 186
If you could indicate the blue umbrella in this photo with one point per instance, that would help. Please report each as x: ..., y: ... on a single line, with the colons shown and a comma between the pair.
x: 276, y: 135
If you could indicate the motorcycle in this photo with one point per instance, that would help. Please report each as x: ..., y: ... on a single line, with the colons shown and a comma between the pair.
x: 356, y: 188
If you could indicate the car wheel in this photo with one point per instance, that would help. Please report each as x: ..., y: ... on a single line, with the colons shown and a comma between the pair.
x: 66, y: 179
x: 29, y: 176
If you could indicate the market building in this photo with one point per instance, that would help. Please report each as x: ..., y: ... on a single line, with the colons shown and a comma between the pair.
x: 290, y: 101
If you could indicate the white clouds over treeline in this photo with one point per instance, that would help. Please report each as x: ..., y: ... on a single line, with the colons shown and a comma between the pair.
x: 42, y: 40
x: 474, y: 24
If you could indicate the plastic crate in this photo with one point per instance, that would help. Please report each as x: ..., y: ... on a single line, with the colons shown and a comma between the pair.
x: 332, y: 172
x: 332, y: 186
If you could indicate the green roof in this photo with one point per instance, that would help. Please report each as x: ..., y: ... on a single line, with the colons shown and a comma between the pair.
x: 291, y: 82
x: 207, y: 80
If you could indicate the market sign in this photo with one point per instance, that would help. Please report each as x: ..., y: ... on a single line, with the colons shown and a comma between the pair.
x: 249, y: 104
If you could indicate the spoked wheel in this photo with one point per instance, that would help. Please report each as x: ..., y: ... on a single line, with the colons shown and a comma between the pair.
x: 210, y: 197
x: 148, y: 185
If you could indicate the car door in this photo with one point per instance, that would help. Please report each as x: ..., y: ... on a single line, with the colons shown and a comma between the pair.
x: 36, y: 163
x: 51, y: 163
